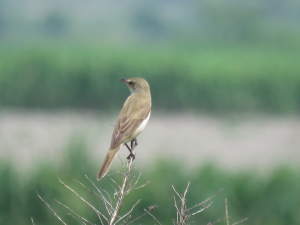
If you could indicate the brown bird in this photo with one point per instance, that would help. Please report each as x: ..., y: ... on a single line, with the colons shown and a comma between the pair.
x: 131, y: 121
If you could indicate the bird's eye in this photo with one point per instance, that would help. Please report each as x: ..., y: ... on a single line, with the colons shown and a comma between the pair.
x: 130, y: 82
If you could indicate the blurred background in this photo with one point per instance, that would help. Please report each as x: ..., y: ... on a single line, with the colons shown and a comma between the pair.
x: 225, y: 83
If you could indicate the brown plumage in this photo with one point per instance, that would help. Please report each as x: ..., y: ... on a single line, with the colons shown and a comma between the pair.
x: 131, y: 120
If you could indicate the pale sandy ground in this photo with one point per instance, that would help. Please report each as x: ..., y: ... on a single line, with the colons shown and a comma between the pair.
x: 235, y: 142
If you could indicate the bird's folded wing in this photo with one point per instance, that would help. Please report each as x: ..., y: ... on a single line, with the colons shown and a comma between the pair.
x: 134, y: 111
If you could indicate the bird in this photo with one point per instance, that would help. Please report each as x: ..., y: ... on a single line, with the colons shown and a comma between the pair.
x: 131, y: 121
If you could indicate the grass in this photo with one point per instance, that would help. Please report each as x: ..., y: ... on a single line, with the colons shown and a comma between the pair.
x: 214, y: 79
x: 263, y: 199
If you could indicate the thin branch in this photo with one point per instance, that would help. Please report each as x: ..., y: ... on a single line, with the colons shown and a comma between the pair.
x: 95, y: 210
x: 101, y: 198
x: 218, y: 221
x: 115, y: 190
x: 126, y: 214
x: 90, y: 191
x: 112, y: 174
x: 240, y: 221
x: 51, y: 209
x: 110, y: 200
x: 226, y: 211
x: 106, y: 202
x: 183, y: 212
x: 202, y: 203
x: 138, y: 178
x: 177, y: 210
x: 108, y: 205
x: 184, y: 194
x: 152, y: 216
x: 176, y: 191
x: 137, y: 218
x: 76, y: 218
x: 199, y: 211
x: 116, y: 183
x: 190, y: 223
x: 122, y: 163
x: 82, y: 218
x: 143, y: 185
x: 150, y: 209
x: 32, y: 221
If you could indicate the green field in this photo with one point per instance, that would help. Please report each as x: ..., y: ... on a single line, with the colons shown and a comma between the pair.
x: 206, y: 78
x: 217, y: 79
x: 270, y: 199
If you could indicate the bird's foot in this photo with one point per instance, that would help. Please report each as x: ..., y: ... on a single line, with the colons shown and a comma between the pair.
x: 131, y: 155
x: 133, y: 145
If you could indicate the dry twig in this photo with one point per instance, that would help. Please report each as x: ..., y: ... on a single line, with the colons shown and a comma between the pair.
x: 184, y: 213
x: 227, y: 217
x: 51, y: 209
x: 226, y: 212
x: 121, y: 189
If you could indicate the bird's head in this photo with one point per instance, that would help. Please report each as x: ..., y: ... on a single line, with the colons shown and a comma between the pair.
x: 136, y: 84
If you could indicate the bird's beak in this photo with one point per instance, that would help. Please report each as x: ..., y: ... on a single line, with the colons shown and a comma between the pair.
x: 124, y: 80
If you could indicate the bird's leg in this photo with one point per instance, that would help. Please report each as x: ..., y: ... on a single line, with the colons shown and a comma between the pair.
x: 132, y: 154
x: 128, y: 147
x: 133, y: 145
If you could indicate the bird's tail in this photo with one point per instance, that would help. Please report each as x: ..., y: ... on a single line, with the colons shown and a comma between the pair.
x: 107, y: 162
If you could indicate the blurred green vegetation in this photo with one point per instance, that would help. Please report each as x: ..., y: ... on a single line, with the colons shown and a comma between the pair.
x: 209, y: 78
x: 271, y: 199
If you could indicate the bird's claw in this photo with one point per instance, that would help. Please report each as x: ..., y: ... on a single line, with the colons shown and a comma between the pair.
x: 131, y: 155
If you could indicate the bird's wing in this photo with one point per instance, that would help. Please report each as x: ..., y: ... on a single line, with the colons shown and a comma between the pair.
x: 134, y: 111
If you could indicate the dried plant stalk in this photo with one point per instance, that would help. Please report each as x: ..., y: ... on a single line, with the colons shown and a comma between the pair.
x: 121, y: 190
